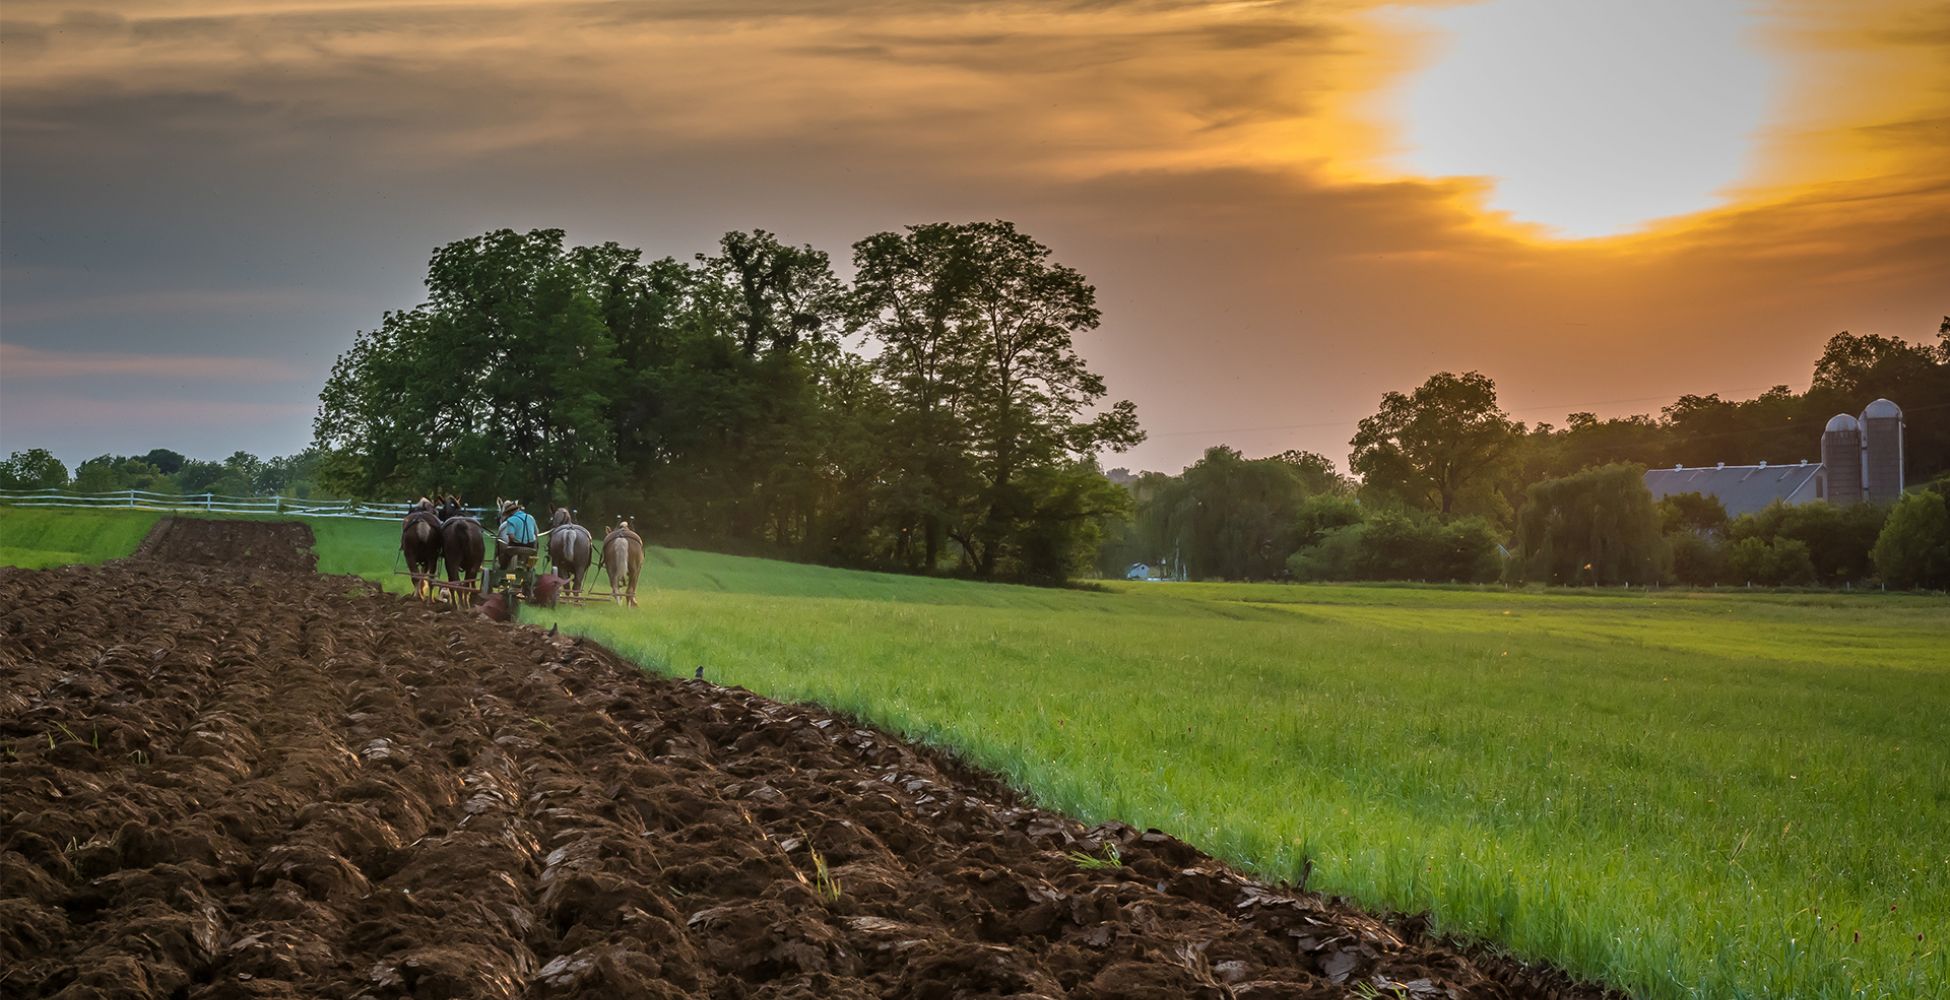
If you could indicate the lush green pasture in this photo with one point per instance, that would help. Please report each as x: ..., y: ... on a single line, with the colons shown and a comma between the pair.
x: 35, y: 537
x: 1687, y: 794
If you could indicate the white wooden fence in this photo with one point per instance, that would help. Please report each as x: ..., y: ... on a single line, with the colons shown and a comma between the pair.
x: 211, y: 503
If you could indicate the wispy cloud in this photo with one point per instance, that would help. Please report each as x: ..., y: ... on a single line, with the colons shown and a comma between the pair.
x: 21, y: 362
x: 1218, y: 169
x: 154, y: 303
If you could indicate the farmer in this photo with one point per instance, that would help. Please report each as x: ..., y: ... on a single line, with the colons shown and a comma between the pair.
x: 517, y: 535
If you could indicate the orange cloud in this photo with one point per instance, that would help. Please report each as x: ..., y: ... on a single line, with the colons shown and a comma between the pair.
x: 1219, y: 170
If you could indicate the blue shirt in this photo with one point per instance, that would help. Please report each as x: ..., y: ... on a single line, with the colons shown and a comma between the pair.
x: 518, y: 529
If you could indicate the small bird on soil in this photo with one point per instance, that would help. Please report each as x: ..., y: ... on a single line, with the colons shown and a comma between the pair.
x: 700, y: 672
x: 552, y: 629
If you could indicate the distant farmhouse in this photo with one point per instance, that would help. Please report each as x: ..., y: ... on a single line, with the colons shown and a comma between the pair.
x: 1861, y: 460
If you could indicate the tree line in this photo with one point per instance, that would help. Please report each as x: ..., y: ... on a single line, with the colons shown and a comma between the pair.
x: 932, y: 415
x: 1445, y: 485
x: 164, y: 471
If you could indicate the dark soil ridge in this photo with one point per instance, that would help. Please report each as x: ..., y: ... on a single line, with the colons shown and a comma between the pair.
x: 225, y: 781
x: 275, y: 545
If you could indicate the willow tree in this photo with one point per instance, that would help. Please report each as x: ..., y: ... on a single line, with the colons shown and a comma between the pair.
x: 1597, y: 526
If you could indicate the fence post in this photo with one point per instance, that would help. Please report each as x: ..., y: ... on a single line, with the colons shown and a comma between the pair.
x: 131, y: 498
x: 206, y: 501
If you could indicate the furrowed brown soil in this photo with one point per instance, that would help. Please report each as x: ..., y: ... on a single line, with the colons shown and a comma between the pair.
x: 259, y: 544
x: 249, y: 782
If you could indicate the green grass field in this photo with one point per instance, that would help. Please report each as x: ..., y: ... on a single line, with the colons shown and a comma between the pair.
x: 37, y: 537
x: 1684, y: 794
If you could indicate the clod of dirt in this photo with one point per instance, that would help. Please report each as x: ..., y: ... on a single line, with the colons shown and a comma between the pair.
x: 268, y: 784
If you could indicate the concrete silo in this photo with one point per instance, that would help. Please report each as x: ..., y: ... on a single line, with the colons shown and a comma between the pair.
x: 1841, y: 459
x: 1882, y: 452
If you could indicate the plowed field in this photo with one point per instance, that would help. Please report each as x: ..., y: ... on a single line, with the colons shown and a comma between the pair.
x: 224, y: 776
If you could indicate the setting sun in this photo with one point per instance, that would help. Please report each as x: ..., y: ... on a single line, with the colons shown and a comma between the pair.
x: 1590, y: 118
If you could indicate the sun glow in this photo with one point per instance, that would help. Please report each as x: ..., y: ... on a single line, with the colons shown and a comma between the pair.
x: 1590, y: 118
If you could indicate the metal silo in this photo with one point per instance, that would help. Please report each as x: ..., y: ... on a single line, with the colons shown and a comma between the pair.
x: 1882, y: 452
x: 1841, y: 459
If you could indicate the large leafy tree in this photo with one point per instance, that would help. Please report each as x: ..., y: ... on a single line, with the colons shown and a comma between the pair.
x: 1443, y: 447
x: 498, y: 384
x: 977, y: 327
x: 715, y: 401
x: 910, y: 294
x: 776, y: 315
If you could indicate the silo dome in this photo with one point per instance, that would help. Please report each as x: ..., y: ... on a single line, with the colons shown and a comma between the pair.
x: 1882, y: 409
x: 1843, y: 422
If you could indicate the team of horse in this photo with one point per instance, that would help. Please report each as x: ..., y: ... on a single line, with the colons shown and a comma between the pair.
x: 444, y: 532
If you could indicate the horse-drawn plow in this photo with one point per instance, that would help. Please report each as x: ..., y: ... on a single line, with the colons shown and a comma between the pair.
x: 530, y: 575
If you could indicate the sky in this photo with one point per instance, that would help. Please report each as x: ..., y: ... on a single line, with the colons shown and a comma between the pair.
x: 1288, y: 209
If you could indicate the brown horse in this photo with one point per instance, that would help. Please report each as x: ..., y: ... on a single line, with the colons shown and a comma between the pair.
x: 465, y: 550
x: 569, y: 548
x: 622, y: 558
x: 421, y: 543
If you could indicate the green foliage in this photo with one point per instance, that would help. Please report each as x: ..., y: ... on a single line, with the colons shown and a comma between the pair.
x: 976, y: 326
x: 1228, y: 517
x: 1837, y: 539
x: 106, y: 473
x: 1319, y: 515
x: 165, y: 461
x: 1694, y: 512
x: 1402, y: 545
x: 1444, y: 447
x: 1697, y: 560
x: 716, y: 402
x: 1782, y: 562
x: 1914, y: 547
x: 495, y: 386
x: 1598, y: 526
x: 163, y: 471
x: 33, y: 469
x: 1059, y: 534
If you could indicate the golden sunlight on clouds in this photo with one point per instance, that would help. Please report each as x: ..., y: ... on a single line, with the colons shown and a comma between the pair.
x: 1241, y: 180
x: 1315, y: 90
x: 1844, y: 105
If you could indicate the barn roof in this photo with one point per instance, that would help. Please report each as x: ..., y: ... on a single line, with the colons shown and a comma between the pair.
x: 1741, y: 489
